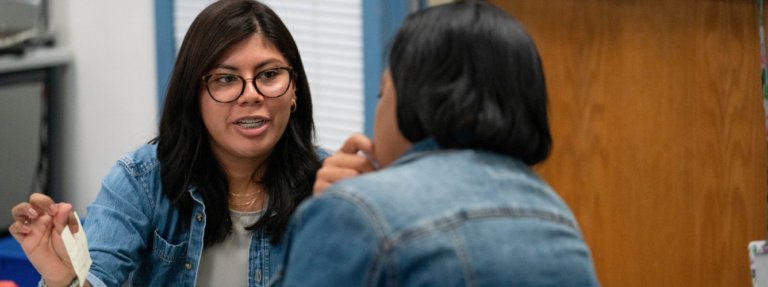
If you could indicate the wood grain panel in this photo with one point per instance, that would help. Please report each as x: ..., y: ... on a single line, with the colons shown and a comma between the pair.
x: 659, y: 133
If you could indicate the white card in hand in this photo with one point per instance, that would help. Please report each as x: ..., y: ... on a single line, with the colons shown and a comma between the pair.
x: 77, y: 248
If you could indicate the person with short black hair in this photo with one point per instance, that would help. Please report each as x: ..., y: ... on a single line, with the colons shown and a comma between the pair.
x: 461, y: 118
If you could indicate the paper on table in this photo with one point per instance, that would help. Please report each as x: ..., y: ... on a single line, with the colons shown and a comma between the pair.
x: 77, y: 248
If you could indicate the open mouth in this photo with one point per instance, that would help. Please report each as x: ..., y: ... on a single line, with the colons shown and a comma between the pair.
x: 251, y: 123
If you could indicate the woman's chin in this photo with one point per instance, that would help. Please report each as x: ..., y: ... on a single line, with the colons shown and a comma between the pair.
x: 252, y: 152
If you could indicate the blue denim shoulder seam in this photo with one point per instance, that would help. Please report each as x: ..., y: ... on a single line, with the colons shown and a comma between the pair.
x: 448, y: 222
x: 127, y: 162
x: 461, y: 252
x: 376, y: 262
x: 130, y: 166
x: 377, y: 222
x: 138, y: 168
x: 390, y: 269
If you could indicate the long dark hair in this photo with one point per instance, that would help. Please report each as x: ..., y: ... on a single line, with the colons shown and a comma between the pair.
x: 183, y: 147
x: 469, y: 75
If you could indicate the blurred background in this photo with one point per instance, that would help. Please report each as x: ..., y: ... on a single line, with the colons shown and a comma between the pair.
x: 655, y: 108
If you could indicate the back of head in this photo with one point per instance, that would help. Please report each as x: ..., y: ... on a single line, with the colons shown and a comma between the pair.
x: 469, y: 75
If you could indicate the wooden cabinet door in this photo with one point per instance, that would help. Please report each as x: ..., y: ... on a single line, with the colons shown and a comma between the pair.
x: 659, y: 133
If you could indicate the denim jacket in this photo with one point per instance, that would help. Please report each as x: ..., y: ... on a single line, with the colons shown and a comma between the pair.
x: 437, y: 218
x: 132, y: 233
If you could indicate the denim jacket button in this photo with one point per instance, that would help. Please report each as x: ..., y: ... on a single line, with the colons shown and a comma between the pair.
x: 258, y: 276
x: 188, y: 265
x: 199, y: 217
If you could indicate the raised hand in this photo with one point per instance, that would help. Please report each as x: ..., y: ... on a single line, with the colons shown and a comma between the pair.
x: 346, y: 162
x: 38, y: 228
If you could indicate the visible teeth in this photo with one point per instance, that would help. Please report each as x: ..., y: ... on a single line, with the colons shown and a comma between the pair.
x: 251, y: 123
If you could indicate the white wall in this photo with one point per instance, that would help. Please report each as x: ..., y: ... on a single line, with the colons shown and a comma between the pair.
x: 109, y: 103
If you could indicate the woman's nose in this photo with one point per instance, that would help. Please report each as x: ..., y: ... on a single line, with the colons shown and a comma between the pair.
x: 250, y: 93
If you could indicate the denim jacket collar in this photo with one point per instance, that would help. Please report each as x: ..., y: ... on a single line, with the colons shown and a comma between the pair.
x: 417, y: 150
x: 195, y: 195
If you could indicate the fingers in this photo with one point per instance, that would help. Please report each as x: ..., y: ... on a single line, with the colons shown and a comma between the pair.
x: 320, y: 185
x: 62, y: 217
x: 26, y: 213
x: 334, y: 174
x: 338, y: 167
x: 357, y: 142
x: 23, y: 211
x: 327, y: 176
x: 41, y: 203
x: 73, y: 224
x: 19, y: 230
x: 346, y: 162
x: 359, y: 163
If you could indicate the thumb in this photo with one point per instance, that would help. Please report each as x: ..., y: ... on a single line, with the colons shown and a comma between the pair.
x: 63, y: 216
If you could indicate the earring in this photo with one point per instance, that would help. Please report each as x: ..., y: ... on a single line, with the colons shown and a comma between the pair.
x: 293, y: 105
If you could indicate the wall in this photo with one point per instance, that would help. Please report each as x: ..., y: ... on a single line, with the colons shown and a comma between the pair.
x: 20, y: 114
x: 659, y: 133
x: 329, y: 36
x: 109, y: 106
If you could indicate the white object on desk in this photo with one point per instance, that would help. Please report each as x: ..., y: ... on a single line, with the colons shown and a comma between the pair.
x: 758, y: 262
x: 77, y: 248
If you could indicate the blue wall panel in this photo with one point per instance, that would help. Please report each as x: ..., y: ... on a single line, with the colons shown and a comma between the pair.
x: 165, y: 48
x: 381, y: 19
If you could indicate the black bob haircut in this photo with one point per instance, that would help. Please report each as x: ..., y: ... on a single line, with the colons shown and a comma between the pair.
x: 183, y: 147
x: 469, y: 75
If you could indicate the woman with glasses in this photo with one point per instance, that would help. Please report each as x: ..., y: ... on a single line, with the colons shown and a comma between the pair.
x: 206, y: 201
x: 461, y: 116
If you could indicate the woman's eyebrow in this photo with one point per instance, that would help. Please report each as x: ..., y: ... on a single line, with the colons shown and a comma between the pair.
x: 266, y: 62
x: 257, y: 67
x: 227, y: 67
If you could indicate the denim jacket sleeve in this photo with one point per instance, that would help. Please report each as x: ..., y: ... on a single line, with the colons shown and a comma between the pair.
x: 117, y: 227
x: 331, y: 242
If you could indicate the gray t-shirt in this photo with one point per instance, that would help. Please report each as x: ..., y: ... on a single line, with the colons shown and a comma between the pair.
x: 226, y: 263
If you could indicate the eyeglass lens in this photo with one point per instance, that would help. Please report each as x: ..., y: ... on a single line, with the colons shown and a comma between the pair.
x: 270, y: 83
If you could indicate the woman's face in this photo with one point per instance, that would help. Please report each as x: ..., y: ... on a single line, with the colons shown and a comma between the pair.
x: 249, y: 127
x: 389, y: 142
